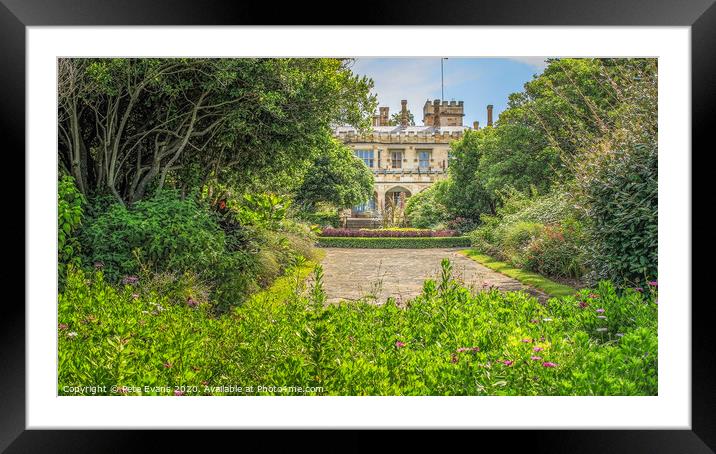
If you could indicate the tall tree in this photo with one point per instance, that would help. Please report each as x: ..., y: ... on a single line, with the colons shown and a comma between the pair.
x: 130, y: 126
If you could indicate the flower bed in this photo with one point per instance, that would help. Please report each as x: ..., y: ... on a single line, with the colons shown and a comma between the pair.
x: 387, y: 233
x: 394, y: 243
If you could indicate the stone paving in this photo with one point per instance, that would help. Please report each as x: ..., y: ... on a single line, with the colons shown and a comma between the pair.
x: 352, y: 274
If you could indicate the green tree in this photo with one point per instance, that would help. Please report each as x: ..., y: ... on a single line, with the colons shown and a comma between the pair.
x: 337, y: 177
x: 129, y: 127
x: 397, y: 117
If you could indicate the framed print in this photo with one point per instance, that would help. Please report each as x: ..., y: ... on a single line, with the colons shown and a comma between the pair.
x: 473, y: 219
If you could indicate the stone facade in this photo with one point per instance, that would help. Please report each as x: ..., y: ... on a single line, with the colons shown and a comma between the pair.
x: 405, y: 159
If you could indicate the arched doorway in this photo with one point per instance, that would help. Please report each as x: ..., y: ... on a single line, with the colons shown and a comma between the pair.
x: 396, y: 196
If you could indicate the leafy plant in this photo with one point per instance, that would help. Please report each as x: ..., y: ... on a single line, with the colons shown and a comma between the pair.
x: 70, y: 204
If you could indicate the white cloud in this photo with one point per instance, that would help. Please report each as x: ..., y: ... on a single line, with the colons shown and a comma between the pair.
x: 416, y: 80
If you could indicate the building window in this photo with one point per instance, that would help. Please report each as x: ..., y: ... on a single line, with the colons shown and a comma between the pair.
x: 366, y: 156
x: 396, y: 159
x: 365, y: 207
x: 423, y: 159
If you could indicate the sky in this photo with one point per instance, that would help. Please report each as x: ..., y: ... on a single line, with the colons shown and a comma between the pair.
x: 476, y: 81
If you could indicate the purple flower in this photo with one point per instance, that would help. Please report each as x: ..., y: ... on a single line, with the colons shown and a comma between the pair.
x: 168, y: 365
x: 535, y: 358
x: 638, y: 289
x: 130, y: 280
x: 583, y: 304
x: 653, y: 283
x: 548, y: 364
x: 538, y: 349
x: 600, y: 311
x: 507, y: 362
x: 191, y: 302
x: 178, y: 393
x: 467, y: 349
x: 399, y: 344
x: 527, y: 341
x: 62, y: 326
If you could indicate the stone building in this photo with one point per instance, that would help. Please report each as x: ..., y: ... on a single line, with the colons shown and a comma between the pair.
x: 405, y: 159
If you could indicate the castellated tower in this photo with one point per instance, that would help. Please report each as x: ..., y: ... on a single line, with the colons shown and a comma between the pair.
x: 448, y: 113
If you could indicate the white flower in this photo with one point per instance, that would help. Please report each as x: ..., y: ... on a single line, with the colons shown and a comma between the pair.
x: 72, y: 334
x: 601, y: 330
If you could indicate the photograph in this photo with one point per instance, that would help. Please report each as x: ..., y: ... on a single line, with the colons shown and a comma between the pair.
x: 357, y: 226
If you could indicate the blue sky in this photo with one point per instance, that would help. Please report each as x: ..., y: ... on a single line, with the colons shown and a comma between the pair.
x: 476, y: 81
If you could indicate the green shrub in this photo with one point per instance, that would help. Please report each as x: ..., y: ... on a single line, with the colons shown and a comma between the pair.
x: 446, y: 341
x: 517, y: 237
x: 69, y: 218
x: 558, y: 251
x: 619, y: 189
x: 164, y: 233
x: 425, y: 210
x: 394, y: 243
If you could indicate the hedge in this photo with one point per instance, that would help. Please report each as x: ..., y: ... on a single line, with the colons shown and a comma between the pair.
x: 393, y: 243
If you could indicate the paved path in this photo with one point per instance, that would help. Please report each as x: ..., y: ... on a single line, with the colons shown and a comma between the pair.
x: 350, y: 274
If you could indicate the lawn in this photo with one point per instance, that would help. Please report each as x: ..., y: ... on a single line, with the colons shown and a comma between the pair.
x: 526, y: 277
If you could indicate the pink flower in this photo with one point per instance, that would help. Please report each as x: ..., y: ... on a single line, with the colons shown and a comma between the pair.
x: 467, y: 349
x: 653, y: 284
x: 535, y: 358
x: 600, y: 311
x: 638, y: 289
x: 534, y: 320
x: 178, y: 393
x: 168, y: 365
x: 191, y: 302
x: 507, y: 362
x: 399, y: 344
x: 583, y: 304
x: 538, y: 349
x: 526, y: 341
x: 63, y: 326
x: 135, y: 296
x: 548, y: 364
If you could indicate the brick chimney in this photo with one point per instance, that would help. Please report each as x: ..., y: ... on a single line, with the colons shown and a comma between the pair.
x: 404, y: 113
x: 489, y: 115
x: 475, y: 125
x: 383, y: 116
x: 436, y: 113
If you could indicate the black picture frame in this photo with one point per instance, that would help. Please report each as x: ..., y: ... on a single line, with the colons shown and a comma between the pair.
x: 16, y: 15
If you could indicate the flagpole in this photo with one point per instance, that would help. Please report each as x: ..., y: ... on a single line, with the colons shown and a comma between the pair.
x: 442, y: 81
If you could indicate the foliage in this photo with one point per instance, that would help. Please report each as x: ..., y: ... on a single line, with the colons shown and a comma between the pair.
x: 386, y: 233
x: 130, y: 126
x: 425, y: 209
x: 539, y: 233
x: 620, y: 191
x: 336, y: 177
x: 266, y: 210
x: 394, y: 242
x: 164, y: 233
x: 397, y: 117
x: 447, y: 341
x: 558, y: 250
x: 70, y: 204
x: 532, y: 279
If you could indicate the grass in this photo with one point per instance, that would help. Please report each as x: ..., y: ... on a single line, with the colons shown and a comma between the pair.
x: 526, y: 277
x: 392, y: 242
x: 285, y: 286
